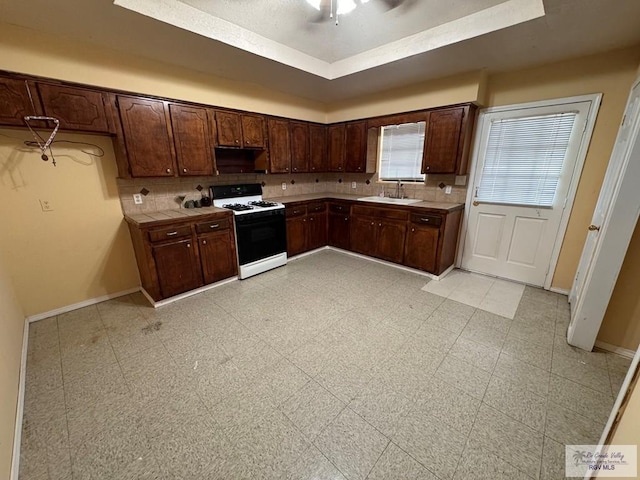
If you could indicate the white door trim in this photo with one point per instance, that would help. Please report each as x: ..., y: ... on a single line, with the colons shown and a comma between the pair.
x: 595, y: 99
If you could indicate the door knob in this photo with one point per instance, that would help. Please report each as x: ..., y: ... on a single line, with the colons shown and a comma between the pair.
x: 476, y: 203
x: 593, y: 228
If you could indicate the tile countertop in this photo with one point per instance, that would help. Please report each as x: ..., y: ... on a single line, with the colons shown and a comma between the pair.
x: 168, y: 216
x: 446, y: 206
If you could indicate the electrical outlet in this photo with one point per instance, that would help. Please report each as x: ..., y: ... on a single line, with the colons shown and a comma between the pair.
x: 137, y: 198
x: 353, y: 184
x: 46, y: 206
x: 284, y: 185
x: 447, y: 189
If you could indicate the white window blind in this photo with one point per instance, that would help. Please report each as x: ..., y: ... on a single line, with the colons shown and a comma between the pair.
x: 524, y: 159
x: 401, y: 152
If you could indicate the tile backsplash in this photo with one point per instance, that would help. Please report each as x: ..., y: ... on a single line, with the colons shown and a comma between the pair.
x: 163, y: 193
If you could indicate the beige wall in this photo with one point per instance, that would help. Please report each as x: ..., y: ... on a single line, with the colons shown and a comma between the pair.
x: 612, y: 74
x: 11, y: 328
x: 28, y: 51
x: 81, y: 249
x: 445, y: 91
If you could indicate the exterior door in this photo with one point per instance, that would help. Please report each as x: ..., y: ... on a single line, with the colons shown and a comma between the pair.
x: 526, y: 159
x: 610, y: 232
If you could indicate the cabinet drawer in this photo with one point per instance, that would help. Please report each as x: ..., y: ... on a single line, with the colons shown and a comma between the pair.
x: 316, y: 207
x: 212, y: 226
x: 426, y: 219
x: 295, y: 211
x: 380, y: 212
x: 169, y: 233
x: 339, y: 208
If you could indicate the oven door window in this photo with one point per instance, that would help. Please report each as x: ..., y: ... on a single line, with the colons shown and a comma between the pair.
x: 260, y: 236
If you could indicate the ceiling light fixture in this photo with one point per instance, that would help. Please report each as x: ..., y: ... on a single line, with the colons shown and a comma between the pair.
x: 337, y: 7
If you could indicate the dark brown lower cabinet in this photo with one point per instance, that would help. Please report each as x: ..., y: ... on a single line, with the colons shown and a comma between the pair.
x: 296, y: 235
x: 177, y: 267
x: 421, y: 247
x: 338, y: 230
x: 175, y: 257
x: 363, y: 235
x: 217, y: 255
x: 381, y: 238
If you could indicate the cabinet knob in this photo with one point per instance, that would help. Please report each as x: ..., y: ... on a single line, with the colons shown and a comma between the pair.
x: 287, y: 169
x: 413, y: 229
x: 246, y: 141
x: 372, y: 223
x: 311, y: 219
x: 379, y: 224
x: 427, y: 167
x: 188, y: 245
x: 339, y: 168
x: 237, y: 141
x: 168, y: 170
x: 204, y: 242
x: 295, y: 169
x: 346, y: 218
x: 184, y: 170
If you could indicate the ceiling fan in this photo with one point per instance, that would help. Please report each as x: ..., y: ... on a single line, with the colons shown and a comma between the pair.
x: 342, y: 7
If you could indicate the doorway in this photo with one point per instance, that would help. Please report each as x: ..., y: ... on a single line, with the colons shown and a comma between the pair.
x: 527, y: 162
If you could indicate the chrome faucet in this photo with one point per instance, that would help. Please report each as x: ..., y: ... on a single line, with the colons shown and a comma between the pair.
x: 398, y: 191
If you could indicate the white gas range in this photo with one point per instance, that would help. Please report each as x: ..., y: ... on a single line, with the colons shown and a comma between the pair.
x: 261, y: 233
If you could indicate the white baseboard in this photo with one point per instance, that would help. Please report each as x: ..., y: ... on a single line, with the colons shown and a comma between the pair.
x: 561, y: 291
x: 75, y: 306
x: 17, y: 436
x: 383, y: 262
x: 190, y: 293
x: 623, y: 352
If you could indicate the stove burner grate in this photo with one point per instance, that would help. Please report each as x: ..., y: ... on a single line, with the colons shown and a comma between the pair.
x: 238, y: 207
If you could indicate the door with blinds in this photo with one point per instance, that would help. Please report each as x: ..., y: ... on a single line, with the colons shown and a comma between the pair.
x: 525, y: 162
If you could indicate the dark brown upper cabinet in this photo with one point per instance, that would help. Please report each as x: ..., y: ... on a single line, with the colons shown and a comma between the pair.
x: 147, y: 136
x: 253, y: 131
x: 299, y: 147
x: 15, y: 103
x: 279, y: 146
x: 448, y: 140
x: 317, y: 148
x: 336, y: 147
x: 356, y: 147
x: 78, y: 109
x: 229, y: 129
x: 240, y: 130
x: 192, y: 139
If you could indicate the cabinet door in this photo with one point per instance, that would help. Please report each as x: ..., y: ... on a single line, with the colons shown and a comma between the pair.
x: 336, y: 147
x: 146, y: 135
x: 299, y: 147
x: 316, y: 230
x: 218, y: 256
x: 364, y: 235
x: 421, y: 248
x: 229, y: 128
x: 442, y: 140
x: 279, y: 146
x: 296, y: 235
x: 356, y: 147
x: 253, y: 131
x: 391, y: 240
x: 177, y: 267
x: 339, y: 230
x: 317, y: 148
x: 15, y: 103
x: 194, y: 150
x: 76, y: 108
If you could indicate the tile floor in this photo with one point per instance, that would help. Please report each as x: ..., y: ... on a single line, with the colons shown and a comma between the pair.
x: 332, y: 367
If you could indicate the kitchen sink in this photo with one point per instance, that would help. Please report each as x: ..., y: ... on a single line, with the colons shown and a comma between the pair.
x: 393, y: 201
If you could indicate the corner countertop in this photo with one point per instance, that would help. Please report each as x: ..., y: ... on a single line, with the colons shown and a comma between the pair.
x: 442, y: 206
x: 168, y: 216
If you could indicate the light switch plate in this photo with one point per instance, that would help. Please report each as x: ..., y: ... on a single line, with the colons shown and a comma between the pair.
x: 284, y: 185
x: 137, y: 198
x: 353, y: 184
x: 447, y: 189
